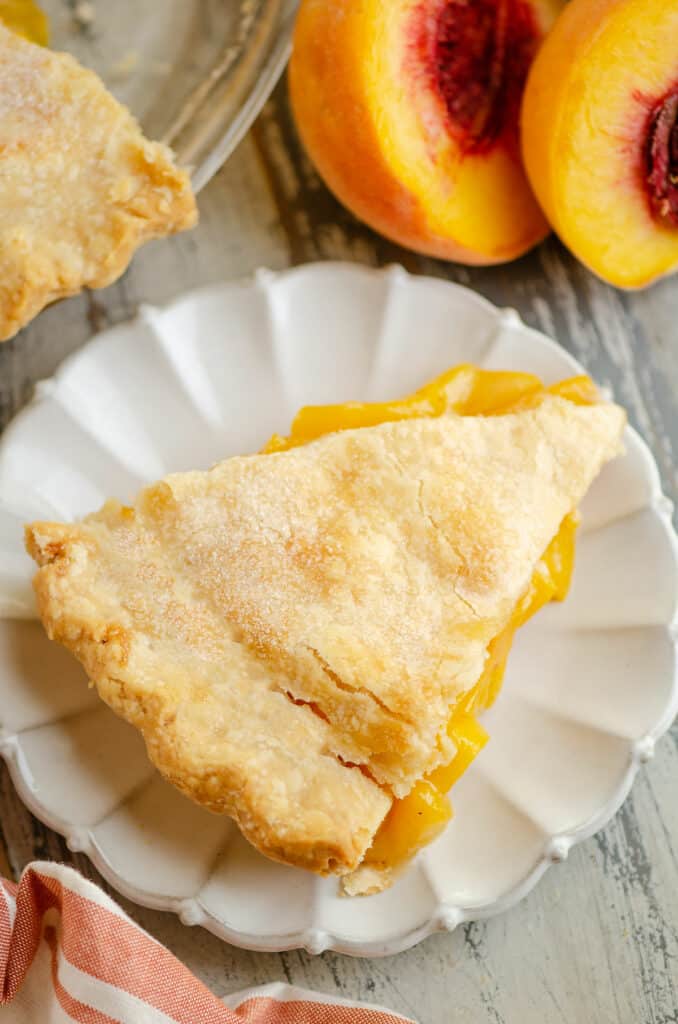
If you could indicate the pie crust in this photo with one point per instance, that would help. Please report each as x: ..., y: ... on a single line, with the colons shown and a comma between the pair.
x: 80, y: 186
x: 290, y: 631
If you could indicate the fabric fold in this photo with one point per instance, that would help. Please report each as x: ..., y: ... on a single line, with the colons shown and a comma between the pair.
x: 69, y: 953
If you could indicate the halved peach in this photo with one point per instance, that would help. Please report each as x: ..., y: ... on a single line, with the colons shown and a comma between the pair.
x: 409, y: 109
x: 600, y: 135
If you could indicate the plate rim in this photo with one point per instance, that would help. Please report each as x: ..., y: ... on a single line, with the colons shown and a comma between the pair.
x: 445, y: 916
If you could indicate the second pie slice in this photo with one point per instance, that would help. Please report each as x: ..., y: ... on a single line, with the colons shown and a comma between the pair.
x: 294, y: 632
x: 81, y: 188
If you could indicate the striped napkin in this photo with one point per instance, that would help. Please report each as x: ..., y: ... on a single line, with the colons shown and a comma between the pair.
x: 68, y: 953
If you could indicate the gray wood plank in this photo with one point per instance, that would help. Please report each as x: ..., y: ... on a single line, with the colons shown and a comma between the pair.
x: 598, y: 939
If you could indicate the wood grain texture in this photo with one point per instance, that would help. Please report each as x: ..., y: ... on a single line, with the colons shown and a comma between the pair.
x: 598, y: 939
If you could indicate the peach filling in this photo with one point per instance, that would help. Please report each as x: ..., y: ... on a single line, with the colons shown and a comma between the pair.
x: 415, y: 820
x: 26, y: 19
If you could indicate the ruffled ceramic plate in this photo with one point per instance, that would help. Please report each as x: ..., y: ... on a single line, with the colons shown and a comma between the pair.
x: 590, y: 686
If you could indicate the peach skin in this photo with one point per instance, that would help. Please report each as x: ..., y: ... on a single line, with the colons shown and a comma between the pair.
x: 409, y: 110
x: 600, y: 136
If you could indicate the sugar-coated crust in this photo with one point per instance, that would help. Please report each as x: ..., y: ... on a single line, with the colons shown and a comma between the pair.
x: 80, y: 186
x: 212, y: 722
x: 279, y: 619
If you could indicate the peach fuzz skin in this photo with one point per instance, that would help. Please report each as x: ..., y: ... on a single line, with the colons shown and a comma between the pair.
x: 370, y: 112
x: 590, y: 140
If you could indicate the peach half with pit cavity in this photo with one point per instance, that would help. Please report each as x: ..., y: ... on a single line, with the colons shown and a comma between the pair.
x: 600, y: 136
x: 409, y: 110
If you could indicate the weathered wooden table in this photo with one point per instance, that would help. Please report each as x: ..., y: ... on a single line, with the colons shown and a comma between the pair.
x: 598, y: 939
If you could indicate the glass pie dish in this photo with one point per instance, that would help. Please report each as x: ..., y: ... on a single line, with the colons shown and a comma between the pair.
x: 194, y: 72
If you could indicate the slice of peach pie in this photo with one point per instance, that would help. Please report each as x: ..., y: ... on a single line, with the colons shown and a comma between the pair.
x: 81, y: 188
x: 305, y: 637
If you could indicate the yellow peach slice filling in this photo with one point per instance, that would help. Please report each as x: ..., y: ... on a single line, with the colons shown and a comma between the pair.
x: 26, y: 19
x: 415, y: 820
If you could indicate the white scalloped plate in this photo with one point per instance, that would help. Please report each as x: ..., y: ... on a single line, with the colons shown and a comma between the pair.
x: 591, y: 683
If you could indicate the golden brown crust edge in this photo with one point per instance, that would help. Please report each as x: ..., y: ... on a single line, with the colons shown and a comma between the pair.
x: 24, y: 295
x: 327, y: 844
x: 81, y: 188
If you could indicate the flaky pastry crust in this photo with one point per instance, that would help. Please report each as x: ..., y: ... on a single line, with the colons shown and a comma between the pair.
x: 80, y: 186
x: 275, y: 622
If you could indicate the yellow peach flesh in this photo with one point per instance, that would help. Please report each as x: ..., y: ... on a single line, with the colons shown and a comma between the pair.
x: 585, y: 121
x: 26, y: 19
x: 378, y: 134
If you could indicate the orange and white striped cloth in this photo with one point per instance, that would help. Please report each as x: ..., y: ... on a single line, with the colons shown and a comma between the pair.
x: 69, y: 953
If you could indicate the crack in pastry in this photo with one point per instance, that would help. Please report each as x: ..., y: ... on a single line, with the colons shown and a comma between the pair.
x: 80, y: 187
x: 353, y: 690
x: 304, y: 637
